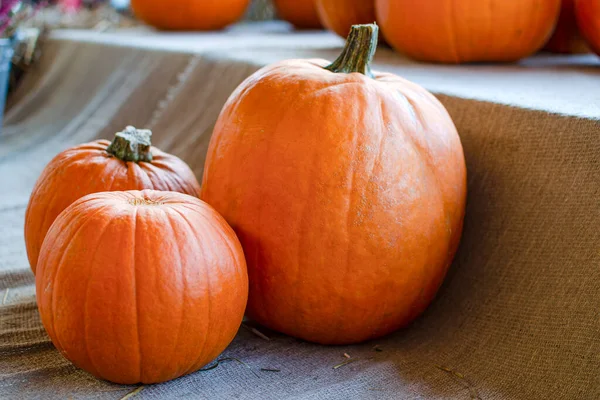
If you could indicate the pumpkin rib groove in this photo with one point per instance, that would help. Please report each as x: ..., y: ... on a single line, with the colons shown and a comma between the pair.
x: 173, y: 180
x: 384, y: 304
x: 134, y: 230
x: 299, y: 246
x: 190, y: 228
x: 350, y: 214
x: 152, y: 173
x: 209, y: 290
x: 53, y: 198
x: 56, y: 276
x: 94, y: 369
x: 202, y: 251
x: 218, y: 231
x: 52, y: 241
x: 184, y: 283
x: 113, y: 176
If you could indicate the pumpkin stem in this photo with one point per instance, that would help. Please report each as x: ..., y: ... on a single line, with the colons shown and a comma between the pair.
x: 131, y: 145
x: 358, y: 52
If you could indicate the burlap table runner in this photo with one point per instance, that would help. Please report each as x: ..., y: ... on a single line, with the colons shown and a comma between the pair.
x: 518, y: 316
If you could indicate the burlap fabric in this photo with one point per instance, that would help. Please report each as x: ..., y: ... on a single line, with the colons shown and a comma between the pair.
x: 517, y: 318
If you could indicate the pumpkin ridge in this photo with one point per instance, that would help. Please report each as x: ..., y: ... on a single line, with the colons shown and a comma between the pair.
x: 134, y: 230
x: 60, y: 264
x: 167, y: 211
x: 114, y: 174
x: 188, y: 224
x: 377, y: 162
x: 350, y: 214
x: 201, y: 250
x: 91, y: 270
x: 44, y: 272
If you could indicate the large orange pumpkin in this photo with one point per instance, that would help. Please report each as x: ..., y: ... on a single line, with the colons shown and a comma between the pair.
x: 300, y: 13
x: 129, y: 162
x: 347, y: 190
x: 141, y: 286
x: 566, y: 37
x: 201, y: 15
x: 339, y: 15
x: 588, y: 19
x: 459, y: 31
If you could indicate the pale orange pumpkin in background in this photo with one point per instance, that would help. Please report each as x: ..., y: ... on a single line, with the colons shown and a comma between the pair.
x: 347, y: 191
x: 141, y: 286
x: 459, y: 31
x: 566, y: 38
x: 588, y: 19
x: 189, y: 14
x: 339, y: 15
x: 130, y: 162
x: 300, y: 13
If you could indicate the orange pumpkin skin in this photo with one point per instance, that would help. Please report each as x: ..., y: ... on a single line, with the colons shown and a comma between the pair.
x: 459, y: 31
x: 588, y: 19
x: 347, y: 194
x: 339, y: 15
x: 566, y: 38
x: 203, y: 15
x: 89, y: 168
x: 300, y: 13
x: 141, y: 286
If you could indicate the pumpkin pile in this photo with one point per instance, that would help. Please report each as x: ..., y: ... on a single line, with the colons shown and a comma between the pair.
x: 137, y: 279
x: 458, y: 31
x: 344, y: 187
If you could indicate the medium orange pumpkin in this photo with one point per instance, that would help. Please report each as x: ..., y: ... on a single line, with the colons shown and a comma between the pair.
x: 141, y: 286
x: 346, y: 189
x: 566, y: 38
x: 588, y: 19
x: 458, y: 31
x: 339, y: 15
x: 129, y: 162
x: 300, y: 13
x: 192, y: 15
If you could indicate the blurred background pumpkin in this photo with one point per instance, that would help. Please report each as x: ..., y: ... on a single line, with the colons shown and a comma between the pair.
x: 467, y: 30
x: 566, y: 38
x: 300, y: 13
x: 189, y: 14
x: 339, y: 15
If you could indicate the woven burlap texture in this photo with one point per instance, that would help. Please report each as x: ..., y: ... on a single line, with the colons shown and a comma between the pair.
x: 517, y: 318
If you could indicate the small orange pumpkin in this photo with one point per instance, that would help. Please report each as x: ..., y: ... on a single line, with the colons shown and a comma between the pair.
x: 566, y: 38
x: 141, y: 286
x: 588, y: 19
x: 300, y: 13
x: 347, y: 190
x: 339, y: 15
x: 190, y: 15
x: 459, y: 31
x: 129, y: 162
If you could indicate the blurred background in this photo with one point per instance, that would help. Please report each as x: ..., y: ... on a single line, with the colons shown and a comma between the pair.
x: 511, y: 33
